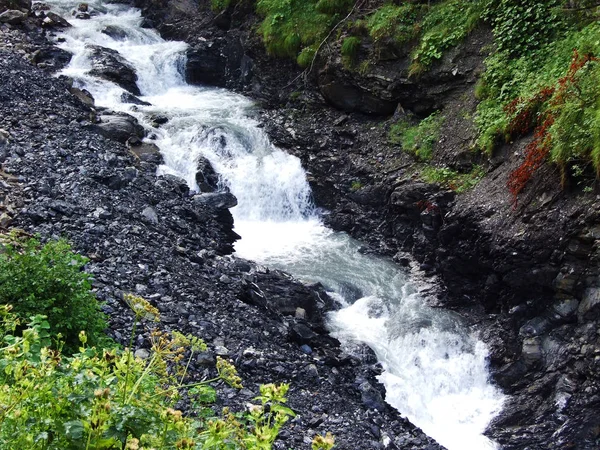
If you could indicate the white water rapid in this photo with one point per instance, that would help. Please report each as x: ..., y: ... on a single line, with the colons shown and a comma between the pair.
x: 435, y: 369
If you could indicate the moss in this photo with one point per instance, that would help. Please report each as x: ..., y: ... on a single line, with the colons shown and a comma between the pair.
x: 418, y: 139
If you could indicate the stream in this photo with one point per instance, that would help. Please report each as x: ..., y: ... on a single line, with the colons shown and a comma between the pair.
x: 435, y: 369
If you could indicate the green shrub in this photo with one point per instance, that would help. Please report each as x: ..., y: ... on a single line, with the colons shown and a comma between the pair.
x: 48, y: 279
x: 289, y: 26
x: 459, y: 182
x: 417, y: 139
x: 398, y: 24
x: 306, y: 56
x: 106, y: 400
x: 349, y: 50
x: 521, y: 26
x: 221, y: 5
x: 444, y: 26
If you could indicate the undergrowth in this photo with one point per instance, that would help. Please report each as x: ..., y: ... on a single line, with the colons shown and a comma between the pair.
x: 418, y: 139
x: 48, y: 279
x: 546, y: 84
x: 106, y: 398
x: 459, y: 182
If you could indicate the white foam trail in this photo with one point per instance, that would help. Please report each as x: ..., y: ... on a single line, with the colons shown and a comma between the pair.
x: 435, y: 372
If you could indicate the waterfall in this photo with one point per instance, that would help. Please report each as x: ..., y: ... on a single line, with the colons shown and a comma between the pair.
x: 435, y: 369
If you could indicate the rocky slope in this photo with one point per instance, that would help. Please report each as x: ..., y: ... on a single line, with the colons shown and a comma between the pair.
x: 67, y: 171
x: 528, y: 273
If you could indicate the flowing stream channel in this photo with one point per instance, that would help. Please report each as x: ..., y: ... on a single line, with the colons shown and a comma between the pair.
x: 435, y: 370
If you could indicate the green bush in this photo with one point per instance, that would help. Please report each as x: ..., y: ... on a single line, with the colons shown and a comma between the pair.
x: 459, y: 182
x: 106, y: 400
x: 524, y: 25
x: 417, y: 139
x: 48, y: 279
x: 444, y: 26
x: 289, y: 26
x: 398, y: 24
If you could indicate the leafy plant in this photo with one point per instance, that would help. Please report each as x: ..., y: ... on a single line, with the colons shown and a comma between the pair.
x: 48, y: 279
x: 396, y: 24
x: 105, y: 400
x: 444, y: 26
x: 290, y: 26
x: 417, y: 139
x: 459, y: 182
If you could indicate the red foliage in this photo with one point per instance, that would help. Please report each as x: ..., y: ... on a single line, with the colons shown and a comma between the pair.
x: 526, y: 117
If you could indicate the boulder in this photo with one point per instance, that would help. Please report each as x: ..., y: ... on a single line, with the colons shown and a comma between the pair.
x: 217, y: 200
x: 206, y: 177
x: 110, y: 65
x: 114, y: 32
x: 83, y: 95
x: 53, y: 20
x: 20, y: 5
x: 119, y: 127
x: 127, y: 97
x: 147, y: 152
x: 13, y: 17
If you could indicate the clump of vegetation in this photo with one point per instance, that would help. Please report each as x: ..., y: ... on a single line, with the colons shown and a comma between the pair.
x: 444, y: 26
x: 109, y: 399
x: 459, y: 182
x: 536, y: 82
x: 48, y: 279
x: 350, y: 48
x: 289, y: 27
x: 394, y: 24
x: 221, y: 5
x: 417, y: 139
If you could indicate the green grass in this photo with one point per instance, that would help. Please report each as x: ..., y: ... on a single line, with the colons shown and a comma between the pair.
x: 459, y: 182
x: 290, y: 27
x: 418, y: 139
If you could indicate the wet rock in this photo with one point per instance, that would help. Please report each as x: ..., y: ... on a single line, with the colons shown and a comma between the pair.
x: 218, y: 200
x: 590, y: 304
x: 83, y: 95
x: 147, y: 152
x: 110, y: 65
x: 114, y: 32
x: 371, y: 397
x: 13, y: 17
x: 19, y: 5
x: 119, y: 127
x: 127, y: 97
x: 206, y: 177
x: 53, y: 20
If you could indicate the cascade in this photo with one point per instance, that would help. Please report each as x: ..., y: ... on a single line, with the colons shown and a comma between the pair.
x: 435, y: 370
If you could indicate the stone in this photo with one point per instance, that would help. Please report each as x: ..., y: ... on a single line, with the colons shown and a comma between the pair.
x: 53, y: 20
x: 206, y: 177
x: 150, y: 215
x: 147, y: 152
x: 110, y: 65
x: 83, y: 95
x: 371, y: 397
x: 589, y: 308
x: 119, y: 127
x: 531, y: 351
x: 20, y: 5
x: 142, y: 353
x: 13, y: 17
x: 218, y: 200
x: 114, y: 32
x: 128, y: 97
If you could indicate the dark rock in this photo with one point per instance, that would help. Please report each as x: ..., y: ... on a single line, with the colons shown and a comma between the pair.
x: 110, y: 65
x: 53, y: 20
x: 218, y: 200
x: 19, y: 5
x: 83, y: 95
x: 206, y: 177
x: 127, y: 97
x: 114, y: 32
x: 119, y: 127
x: 13, y: 17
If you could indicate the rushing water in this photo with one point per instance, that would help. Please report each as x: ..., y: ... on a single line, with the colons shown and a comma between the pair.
x: 435, y: 369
